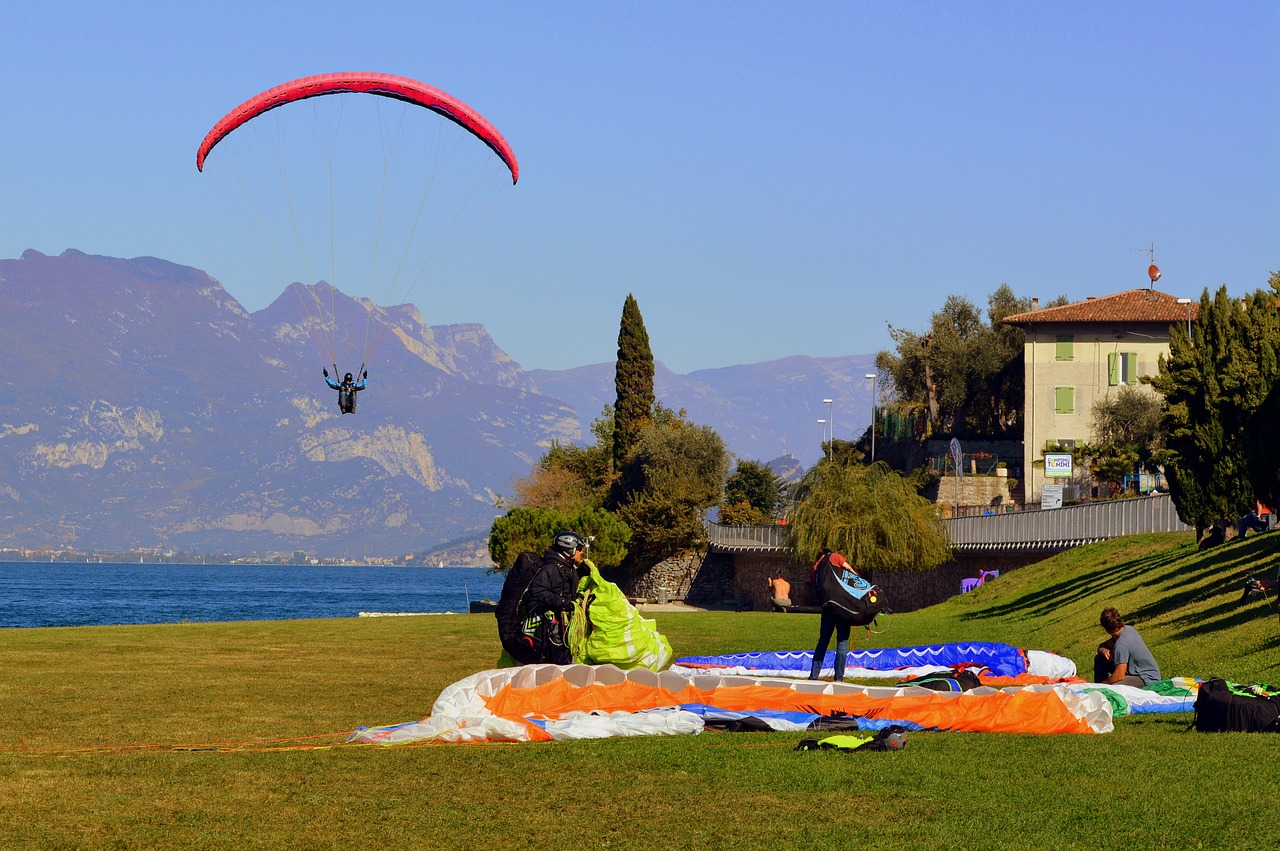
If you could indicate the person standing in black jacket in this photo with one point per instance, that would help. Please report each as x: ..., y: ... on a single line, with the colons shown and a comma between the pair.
x: 552, y: 594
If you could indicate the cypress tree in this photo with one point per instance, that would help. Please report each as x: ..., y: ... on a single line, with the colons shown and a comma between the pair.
x: 633, y: 380
x: 1215, y: 386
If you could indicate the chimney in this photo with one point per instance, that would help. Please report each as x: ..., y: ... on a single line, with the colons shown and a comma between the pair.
x: 1035, y: 303
x: 1090, y: 297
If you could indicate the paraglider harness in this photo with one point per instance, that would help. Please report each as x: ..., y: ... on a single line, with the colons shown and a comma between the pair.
x: 843, y: 593
x: 347, y: 388
x: 891, y: 738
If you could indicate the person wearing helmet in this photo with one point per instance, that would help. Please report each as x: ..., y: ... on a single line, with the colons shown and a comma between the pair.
x: 347, y: 389
x: 552, y: 594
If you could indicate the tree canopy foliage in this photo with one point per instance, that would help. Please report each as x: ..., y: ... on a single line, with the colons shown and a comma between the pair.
x: 650, y: 472
x: 965, y: 374
x: 673, y: 474
x: 1220, y: 416
x: 871, y: 515
x: 1127, y: 436
x: 532, y: 530
x: 569, y: 477
x: 752, y: 494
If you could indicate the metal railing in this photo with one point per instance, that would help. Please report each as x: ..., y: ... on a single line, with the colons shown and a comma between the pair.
x: 748, y: 539
x: 1026, y: 531
x: 1070, y: 526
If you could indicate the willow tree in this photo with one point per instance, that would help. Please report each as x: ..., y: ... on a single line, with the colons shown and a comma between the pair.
x: 870, y: 515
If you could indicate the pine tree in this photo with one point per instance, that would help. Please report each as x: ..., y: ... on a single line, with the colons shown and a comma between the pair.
x: 633, y: 380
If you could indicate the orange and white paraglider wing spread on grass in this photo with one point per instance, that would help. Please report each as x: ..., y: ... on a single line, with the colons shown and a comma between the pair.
x: 549, y: 702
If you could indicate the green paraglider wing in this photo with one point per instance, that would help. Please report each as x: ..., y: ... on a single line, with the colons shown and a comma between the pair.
x: 608, y: 630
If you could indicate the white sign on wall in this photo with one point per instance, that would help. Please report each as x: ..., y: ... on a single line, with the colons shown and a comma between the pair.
x: 1051, y: 496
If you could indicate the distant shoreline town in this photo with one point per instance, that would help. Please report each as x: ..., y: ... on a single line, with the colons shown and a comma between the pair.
x: 156, y: 556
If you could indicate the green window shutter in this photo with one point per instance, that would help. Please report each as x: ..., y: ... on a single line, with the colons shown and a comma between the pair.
x: 1131, y: 367
x: 1113, y: 368
x: 1066, y: 347
x: 1064, y: 399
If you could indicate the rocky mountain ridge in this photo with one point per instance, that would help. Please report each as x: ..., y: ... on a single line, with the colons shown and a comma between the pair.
x: 148, y: 408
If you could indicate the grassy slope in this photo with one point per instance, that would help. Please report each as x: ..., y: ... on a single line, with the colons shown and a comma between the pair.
x: 78, y: 706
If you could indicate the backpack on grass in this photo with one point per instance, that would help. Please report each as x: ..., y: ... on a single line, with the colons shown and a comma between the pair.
x: 844, y: 593
x: 1223, y: 706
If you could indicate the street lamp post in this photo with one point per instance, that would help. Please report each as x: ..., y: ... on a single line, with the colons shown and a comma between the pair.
x: 1187, y: 302
x: 831, y: 420
x: 823, y: 423
x: 872, y: 376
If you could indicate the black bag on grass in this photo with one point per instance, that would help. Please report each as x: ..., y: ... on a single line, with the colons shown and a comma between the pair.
x: 1223, y: 706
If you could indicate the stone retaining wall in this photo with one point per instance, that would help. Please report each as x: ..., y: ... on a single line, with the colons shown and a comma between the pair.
x: 699, y: 578
x: 740, y: 580
x: 986, y: 491
x: 903, y: 592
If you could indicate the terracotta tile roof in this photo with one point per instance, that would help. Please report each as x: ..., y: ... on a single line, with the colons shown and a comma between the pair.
x: 1142, y: 305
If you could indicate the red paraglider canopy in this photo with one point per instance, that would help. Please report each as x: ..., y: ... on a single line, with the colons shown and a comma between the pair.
x: 386, y: 85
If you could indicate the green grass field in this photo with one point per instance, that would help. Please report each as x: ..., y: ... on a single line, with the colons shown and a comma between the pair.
x: 230, y: 735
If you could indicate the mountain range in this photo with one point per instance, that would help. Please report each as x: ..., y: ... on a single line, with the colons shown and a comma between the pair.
x: 147, y: 408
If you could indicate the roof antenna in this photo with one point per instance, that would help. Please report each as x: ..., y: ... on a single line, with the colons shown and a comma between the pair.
x: 1153, y: 271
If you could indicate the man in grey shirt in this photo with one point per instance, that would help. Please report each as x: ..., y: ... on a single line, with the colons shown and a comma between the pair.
x: 1124, y: 658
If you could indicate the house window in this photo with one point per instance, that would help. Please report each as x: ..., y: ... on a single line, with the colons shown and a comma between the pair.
x: 1122, y: 368
x: 1064, y: 400
x: 1065, y: 350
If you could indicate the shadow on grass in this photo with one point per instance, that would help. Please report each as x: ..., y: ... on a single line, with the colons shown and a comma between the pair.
x: 1220, y: 577
x: 1048, y: 599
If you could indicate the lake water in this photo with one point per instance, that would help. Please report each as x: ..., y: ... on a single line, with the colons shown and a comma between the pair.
x: 57, y: 594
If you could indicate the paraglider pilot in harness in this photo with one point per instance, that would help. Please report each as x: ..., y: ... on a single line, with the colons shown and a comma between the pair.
x: 551, y: 596
x: 348, y: 389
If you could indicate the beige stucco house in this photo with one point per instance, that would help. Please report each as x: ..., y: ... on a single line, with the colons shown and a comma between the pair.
x: 1077, y: 354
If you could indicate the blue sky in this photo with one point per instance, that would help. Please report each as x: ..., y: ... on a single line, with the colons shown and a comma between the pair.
x: 767, y: 179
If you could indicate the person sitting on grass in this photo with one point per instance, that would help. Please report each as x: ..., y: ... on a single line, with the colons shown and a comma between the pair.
x: 1124, y: 658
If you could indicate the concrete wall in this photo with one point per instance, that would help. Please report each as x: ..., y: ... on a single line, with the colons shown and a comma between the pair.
x: 740, y: 580
x: 903, y: 592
